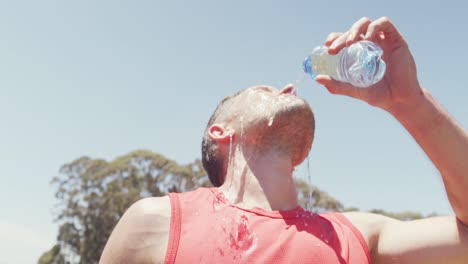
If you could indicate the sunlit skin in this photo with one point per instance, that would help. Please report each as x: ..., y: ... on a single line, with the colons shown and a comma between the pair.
x: 266, y: 132
x: 274, y: 136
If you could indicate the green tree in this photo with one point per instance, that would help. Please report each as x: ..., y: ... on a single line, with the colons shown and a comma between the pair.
x: 52, y: 256
x: 403, y: 216
x: 316, y: 200
x: 93, y: 194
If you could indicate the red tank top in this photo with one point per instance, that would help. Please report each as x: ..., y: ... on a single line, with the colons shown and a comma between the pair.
x: 206, y: 229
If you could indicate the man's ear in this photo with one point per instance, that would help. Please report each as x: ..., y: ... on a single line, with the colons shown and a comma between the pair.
x: 220, y: 133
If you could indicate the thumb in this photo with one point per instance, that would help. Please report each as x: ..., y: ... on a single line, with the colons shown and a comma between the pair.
x: 336, y: 87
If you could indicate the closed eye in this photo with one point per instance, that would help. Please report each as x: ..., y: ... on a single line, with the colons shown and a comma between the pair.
x: 265, y: 88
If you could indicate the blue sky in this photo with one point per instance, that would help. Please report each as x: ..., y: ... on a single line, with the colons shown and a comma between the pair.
x: 103, y: 78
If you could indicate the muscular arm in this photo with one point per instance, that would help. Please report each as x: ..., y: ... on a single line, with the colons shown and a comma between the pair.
x: 433, y: 240
x: 141, y: 235
x: 445, y: 143
x: 442, y: 139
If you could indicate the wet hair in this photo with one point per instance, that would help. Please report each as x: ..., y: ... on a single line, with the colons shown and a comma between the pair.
x: 214, y: 162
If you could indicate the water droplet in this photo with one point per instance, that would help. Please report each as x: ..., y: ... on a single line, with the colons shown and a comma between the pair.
x: 270, y: 122
x: 310, y: 201
x: 242, y: 126
x: 218, y: 204
x: 301, y: 78
x: 241, y: 239
x: 230, y: 150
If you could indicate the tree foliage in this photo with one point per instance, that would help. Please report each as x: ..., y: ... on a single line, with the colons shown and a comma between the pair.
x: 313, y: 199
x: 93, y: 194
x: 52, y: 256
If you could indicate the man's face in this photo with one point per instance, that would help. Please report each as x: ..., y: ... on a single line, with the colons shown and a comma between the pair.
x: 267, y: 117
x: 264, y: 103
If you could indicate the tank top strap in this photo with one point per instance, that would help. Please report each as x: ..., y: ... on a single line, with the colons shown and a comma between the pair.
x: 339, y: 217
x: 175, y: 228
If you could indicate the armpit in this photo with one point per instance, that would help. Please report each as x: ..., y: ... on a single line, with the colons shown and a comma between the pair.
x: 463, y: 230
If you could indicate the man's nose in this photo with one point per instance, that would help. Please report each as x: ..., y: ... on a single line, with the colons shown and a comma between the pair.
x: 288, y: 89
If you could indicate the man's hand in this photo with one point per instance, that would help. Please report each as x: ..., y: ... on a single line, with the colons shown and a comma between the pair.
x: 443, y: 140
x: 399, y: 85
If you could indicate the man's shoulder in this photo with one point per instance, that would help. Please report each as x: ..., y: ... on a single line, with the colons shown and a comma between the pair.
x: 142, y: 233
x: 369, y: 225
x: 149, y: 219
x: 151, y: 206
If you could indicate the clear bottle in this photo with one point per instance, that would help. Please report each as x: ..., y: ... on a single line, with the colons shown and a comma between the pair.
x: 360, y: 64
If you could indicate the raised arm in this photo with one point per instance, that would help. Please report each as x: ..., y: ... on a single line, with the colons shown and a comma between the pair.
x: 442, y: 139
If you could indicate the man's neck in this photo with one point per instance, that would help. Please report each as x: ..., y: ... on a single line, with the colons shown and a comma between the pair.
x: 264, y: 181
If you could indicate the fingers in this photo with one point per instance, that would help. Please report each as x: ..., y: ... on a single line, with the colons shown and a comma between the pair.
x: 364, y: 29
x: 338, y: 44
x: 331, y: 37
x: 336, y: 87
x: 358, y: 30
x: 354, y: 34
x: 379, y: 26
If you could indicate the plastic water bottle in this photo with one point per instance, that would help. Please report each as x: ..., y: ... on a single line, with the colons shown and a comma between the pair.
x: 360, y: 64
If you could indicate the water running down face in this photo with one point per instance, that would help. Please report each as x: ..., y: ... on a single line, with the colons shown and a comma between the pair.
x: 260, y: 117
x: 267, y: 118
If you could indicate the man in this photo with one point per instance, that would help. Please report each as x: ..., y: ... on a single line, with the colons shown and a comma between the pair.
x: 253, y: 142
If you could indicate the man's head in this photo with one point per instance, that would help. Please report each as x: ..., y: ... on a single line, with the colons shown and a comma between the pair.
x: 259, y: 117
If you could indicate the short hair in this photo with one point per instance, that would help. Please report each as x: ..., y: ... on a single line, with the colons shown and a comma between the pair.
x: 213, y: 161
